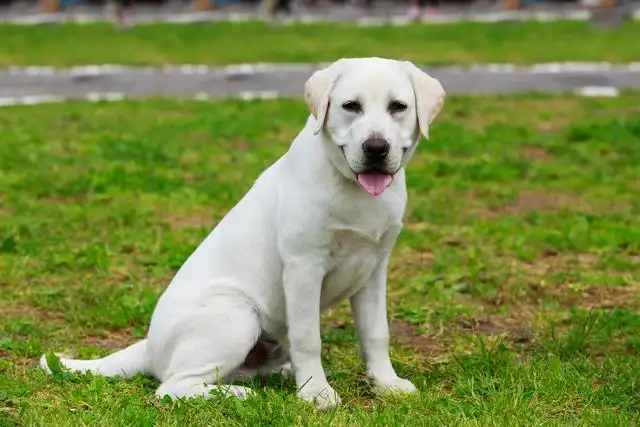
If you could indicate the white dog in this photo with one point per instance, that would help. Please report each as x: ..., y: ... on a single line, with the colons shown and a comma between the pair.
x: 318, y: 226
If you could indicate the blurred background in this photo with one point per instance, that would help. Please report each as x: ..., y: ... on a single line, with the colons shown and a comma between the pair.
x: 434, y: 10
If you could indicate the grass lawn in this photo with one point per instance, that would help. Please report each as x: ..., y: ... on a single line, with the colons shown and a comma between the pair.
x: 513, y: 292
x: 228, y: 43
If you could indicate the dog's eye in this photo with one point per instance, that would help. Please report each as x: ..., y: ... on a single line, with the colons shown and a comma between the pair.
x: 352, y: 106
x: 397, y: 107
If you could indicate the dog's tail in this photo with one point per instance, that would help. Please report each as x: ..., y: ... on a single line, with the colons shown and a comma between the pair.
x: 124, y: 363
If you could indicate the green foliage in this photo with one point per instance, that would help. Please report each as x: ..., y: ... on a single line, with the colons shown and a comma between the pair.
x: 223, y: 43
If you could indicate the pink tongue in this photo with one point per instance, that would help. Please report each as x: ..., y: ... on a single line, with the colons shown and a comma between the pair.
x: 374, y: 182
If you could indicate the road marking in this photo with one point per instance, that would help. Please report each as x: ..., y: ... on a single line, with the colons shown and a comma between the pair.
x: 24, y: 100
x: 259, y: 68
x: 599, y: 91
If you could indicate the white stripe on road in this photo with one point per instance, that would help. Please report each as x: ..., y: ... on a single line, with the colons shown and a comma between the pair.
x: 11, y: 101
x: 258, y: 68
x: 599, y: 91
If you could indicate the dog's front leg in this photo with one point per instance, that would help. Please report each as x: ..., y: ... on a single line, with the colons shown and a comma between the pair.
x: 303, y: 287
x: 370, y: 316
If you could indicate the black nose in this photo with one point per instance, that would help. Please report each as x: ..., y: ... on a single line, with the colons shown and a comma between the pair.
x: 375, y: 149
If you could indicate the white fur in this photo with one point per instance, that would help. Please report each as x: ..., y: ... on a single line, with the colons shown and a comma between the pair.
x: 303, y: 238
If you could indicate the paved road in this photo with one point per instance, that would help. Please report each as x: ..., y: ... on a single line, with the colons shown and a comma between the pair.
x: 288, y: 81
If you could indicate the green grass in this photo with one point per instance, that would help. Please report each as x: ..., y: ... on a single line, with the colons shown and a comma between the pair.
x: 229, y: 43
x: 513, y: 291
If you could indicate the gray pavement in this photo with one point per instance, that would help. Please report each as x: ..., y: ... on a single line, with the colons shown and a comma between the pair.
x: 269, y: 81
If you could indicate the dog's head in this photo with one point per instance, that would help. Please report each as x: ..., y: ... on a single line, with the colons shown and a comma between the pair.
x: 373, y: 110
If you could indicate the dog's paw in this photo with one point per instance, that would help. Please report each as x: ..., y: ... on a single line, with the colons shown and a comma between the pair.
x: 322, y: 395
x: 395, y: 385
x: 240, y: 392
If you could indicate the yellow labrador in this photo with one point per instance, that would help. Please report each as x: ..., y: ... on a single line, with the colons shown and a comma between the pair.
x: 317, y: 227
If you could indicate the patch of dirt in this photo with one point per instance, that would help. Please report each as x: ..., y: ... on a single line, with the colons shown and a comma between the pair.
x: 240, y: 144
x: 548, y: 127
x: 176, y: 221
x: 602, y: 297
x: 417, y: 226
x: 534, y: 153
x: 189, y: 157
x: 550, y: 261
x: 4, y: 210
x: 112, y: 339
x: 28, y: 311
x: 284, y: 135
x: 529, y: 201
x: 568, y: 293
x: 63, y: 200
x: 408, y: 263
x: 516, y: 327
x: 412, y: 258
x: 409, y: 338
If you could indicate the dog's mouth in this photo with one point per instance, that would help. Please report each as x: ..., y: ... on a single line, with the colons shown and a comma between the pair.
x: 374, y: 181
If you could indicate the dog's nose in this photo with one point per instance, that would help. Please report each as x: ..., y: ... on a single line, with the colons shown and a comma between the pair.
x: 375, y: 149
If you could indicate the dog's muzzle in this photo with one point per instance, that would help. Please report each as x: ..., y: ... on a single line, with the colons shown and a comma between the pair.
x: 375, y: 149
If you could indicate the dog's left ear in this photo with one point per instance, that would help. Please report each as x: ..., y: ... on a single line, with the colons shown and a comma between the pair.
x: 317, y: 90
x: 429, y: 93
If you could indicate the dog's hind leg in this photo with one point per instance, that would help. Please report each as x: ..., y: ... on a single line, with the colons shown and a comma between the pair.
x: 268, y: 356
x: 212, y: 344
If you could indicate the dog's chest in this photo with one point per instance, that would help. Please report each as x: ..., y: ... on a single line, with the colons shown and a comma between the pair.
x: 353, y: 257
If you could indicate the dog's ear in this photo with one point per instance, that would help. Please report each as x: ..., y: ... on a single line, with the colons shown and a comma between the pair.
x: 429, y: 96
x: 317, y: 90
